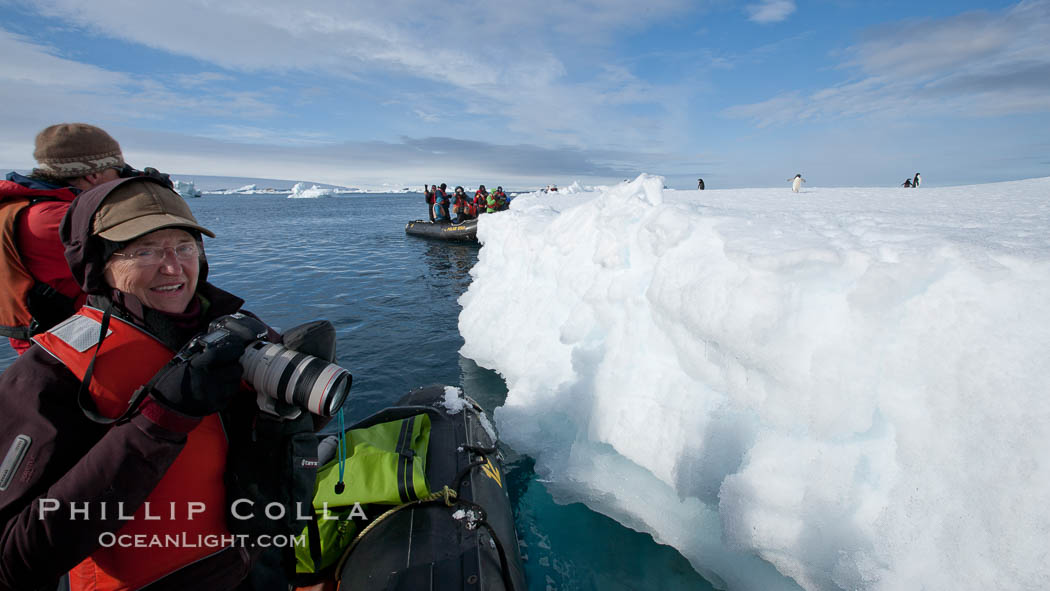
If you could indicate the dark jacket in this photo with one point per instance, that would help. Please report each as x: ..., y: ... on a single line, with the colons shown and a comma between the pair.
x: 73, y: 459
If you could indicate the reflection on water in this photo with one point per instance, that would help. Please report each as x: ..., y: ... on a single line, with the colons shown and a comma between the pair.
x: 451, y: 260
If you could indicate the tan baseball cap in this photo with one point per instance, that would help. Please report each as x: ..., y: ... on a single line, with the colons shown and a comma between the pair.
x: 137, y: 208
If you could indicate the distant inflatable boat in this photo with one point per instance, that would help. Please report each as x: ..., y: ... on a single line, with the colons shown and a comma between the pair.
x: 465, y: 232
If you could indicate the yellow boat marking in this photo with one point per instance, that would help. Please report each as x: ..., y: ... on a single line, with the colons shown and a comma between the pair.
x: 492, y: 472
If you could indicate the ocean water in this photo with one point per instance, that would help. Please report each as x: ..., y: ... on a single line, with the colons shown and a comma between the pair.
x: 393, y: 301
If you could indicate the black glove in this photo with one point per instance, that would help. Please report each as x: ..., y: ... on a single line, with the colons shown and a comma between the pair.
x: 204, y: 381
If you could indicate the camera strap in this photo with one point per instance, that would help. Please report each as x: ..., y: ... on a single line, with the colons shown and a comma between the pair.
x: 340, y: 486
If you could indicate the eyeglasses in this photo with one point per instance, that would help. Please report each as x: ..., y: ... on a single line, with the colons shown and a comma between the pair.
x: 154, y: 255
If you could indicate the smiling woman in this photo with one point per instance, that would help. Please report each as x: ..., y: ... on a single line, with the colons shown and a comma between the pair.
x: 145, y: 221
x: 161, y: 282
x: 103, y: 411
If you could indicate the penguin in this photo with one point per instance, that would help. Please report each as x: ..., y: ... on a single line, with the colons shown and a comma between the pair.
x: 915, y: 181
x: 699, y: 184
x: 796, y: 183
x: 906, y: 183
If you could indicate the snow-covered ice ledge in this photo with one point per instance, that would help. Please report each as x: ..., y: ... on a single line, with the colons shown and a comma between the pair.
x: 841, y: 389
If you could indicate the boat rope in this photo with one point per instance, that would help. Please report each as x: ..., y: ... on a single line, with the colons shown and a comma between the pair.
x: 446, y: 494
x: 451, y: 499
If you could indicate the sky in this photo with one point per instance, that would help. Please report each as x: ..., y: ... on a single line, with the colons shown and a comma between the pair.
x: 526, y: 93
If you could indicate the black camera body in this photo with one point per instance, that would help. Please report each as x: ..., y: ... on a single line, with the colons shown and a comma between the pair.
x: 225, y: 327
x: 286, y: 381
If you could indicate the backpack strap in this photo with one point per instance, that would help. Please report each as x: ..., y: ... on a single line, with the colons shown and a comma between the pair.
x: 406, y: 457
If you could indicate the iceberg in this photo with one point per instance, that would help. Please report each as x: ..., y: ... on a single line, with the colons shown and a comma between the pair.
x: 844, y: 388
x: 186, y: 189
x: 300, y: 191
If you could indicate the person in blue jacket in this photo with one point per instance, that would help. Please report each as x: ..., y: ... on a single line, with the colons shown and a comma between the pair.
x: 440, y: 207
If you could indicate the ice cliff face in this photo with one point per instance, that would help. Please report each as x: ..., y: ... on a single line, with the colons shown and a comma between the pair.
x: 842, y: 389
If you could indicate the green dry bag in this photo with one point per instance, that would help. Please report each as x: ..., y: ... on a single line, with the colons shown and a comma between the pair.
x: 385, y: 465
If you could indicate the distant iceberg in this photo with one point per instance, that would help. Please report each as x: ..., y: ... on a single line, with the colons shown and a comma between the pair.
x: 187, y: 189
x: 299, y: 191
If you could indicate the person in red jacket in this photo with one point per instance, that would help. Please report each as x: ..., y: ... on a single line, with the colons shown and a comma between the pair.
x: 481, y: 198
x: 38, y: 289
x: 462, y: 207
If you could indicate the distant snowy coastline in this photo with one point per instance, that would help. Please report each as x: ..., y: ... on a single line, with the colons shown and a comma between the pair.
x: 299, y: 190
x: 222, y: 185
x: 233, y: 185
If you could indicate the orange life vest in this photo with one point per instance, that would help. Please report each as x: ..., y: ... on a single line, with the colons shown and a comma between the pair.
x: 16, y: 321
x: 128, y: 358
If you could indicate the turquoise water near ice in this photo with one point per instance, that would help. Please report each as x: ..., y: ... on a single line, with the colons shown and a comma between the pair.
x: 393, y: 301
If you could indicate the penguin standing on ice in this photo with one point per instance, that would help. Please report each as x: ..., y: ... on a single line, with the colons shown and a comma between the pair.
x: 915, y: 181
x: 796, y: 183
x: 699, y: 184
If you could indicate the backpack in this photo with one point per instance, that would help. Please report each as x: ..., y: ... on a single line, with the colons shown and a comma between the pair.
x: 27, y: 306
x: 429, y: 465
x: 385, y: 464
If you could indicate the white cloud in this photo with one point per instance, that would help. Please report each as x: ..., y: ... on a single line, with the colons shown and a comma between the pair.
x: 29, y: 63
x: 426, y: 116
x: 782, y: 108
x: 372, y: 163
x: 248, y: 134
x: 201, y: 79
x: 501, y: 60
x: 39, y: 87
x: 977, y: 63
x: 770, y: 11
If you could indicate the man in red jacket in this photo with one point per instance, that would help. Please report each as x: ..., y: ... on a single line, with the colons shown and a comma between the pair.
x: 38, y: 290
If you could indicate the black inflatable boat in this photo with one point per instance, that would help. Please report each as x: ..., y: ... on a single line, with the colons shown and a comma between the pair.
x: 465, y: 232
x: 461, y: 537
